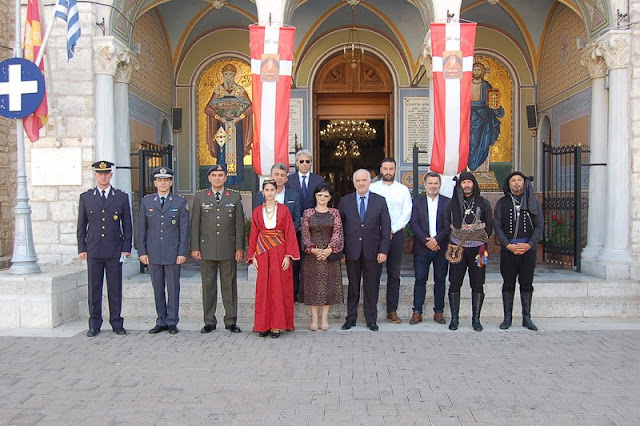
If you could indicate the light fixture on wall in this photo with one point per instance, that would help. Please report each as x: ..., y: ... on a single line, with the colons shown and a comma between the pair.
x: 353, y: 50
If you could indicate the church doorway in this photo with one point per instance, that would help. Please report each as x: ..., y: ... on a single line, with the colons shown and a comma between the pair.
x: 353, y: 124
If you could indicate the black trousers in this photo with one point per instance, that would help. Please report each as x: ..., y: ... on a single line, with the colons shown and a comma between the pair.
x: 517, y: 266
x: 458, y: 270
x: 96, y: 269
x: 167, y: 305
x: 369, y: 271
x: 394, y: 264
x: 296, y: 267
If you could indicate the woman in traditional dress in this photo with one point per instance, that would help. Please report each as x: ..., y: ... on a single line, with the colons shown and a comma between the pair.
x: 272, y: 246
x: 321, y: 276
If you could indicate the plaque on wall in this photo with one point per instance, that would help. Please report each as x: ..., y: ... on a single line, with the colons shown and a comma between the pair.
x: 42, y: 160
x: 415, y: 122
x: 295, y: 126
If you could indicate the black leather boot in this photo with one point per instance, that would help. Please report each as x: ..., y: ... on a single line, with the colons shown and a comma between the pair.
x: 476, y: 307
x: 454, y: 303
x: 507, y: 303
x: 525, y: 299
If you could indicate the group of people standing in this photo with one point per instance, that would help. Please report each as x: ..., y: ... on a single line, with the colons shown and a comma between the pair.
x: 297, y: 243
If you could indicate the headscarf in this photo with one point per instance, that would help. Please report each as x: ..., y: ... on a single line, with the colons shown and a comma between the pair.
x: 458, y: 193
x: 529, y: 201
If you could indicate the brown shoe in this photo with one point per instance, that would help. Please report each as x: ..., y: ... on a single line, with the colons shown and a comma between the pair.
x: 439, y: 318
x: 394, y: 318
x: 415, y: 318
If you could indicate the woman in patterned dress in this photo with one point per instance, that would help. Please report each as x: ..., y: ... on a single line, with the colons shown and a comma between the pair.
x: 272, y: 246
x: 321, y: 278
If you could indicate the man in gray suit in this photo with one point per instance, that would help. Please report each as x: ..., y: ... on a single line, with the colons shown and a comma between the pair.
x: 217, y: 239
x: 163, y: 245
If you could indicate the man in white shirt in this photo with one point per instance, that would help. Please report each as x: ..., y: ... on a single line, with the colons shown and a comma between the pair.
x: 399, y: 203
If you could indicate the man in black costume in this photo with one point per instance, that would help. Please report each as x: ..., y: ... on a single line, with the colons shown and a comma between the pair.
x: 519, y: 223
x: 469, y: 217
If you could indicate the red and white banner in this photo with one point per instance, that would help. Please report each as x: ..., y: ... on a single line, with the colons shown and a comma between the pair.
x: 452, y: 48
x: 271, y: 64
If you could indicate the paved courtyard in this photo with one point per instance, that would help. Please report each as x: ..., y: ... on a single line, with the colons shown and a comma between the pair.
x: 572, y: 372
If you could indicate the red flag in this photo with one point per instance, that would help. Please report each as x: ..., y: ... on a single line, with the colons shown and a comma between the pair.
x: 32, y: 42
x: 452, y: 47
x: 271, y: 64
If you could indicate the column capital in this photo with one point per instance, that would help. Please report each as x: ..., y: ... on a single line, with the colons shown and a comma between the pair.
x: 615, y: 48
x: 128, y: 62
x: 592, y: 58
x: 105, y: 54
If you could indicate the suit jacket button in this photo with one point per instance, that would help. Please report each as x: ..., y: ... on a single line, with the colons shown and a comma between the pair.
x: 160, y: 237
x: 360, y: 239
x: 218, y: 232
x: 202, y: 241
x: 161, y: 230
x: 102, y: 211
x: 103, y: 227
x: 362, y: 225
x: 103, y: 219
x: 102, y: 235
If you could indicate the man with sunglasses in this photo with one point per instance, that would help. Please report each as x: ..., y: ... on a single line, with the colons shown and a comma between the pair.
x: 304, y: 182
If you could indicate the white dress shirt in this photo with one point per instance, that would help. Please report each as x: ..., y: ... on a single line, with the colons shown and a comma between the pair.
x: 432, y: 208
x: 280, y: 196
x: 398, y: 200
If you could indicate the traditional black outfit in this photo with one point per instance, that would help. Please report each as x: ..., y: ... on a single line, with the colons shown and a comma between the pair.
x: 518, y: 219
x: 471, y: 224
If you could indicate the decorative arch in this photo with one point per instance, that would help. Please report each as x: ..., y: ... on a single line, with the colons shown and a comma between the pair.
x: 369, y: 75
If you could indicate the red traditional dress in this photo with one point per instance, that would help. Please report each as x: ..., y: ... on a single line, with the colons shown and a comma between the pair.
x: 274, y: 287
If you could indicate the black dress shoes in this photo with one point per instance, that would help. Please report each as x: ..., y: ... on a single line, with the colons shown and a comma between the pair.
x: 275, y: 334
x: 173, y: 329
x: 93, y: 332
x: 120, y: 331
x: 373, y: 326
x: 347, y: 325
x: 264, y: 333
x: 158, y: 328
x: 233, y: 328
x: 207, y: 329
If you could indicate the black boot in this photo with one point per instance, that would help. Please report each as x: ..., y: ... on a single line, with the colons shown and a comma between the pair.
x: 454, y: 303
x: 507, y: 303
x: 525, y: 299
x: 476, y: 307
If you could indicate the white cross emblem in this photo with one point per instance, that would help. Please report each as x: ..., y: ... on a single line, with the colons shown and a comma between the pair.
x: 15, y: 87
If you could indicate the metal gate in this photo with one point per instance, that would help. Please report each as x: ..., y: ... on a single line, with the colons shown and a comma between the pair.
x: 565, y: 202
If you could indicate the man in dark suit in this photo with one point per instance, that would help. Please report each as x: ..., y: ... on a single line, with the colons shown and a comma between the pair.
x: 217, y: 239
x: 430, y: 239
x: 284, y: 195
x: 104, y: 241
x: 367, y: 236
x: 163, y: 245
x: 305, y: 183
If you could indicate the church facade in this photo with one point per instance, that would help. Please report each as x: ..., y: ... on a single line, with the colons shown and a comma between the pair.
x: 145, y: 72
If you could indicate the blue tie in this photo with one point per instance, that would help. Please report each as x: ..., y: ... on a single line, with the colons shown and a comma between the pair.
x: 362, y: 209
x: 304, y: 187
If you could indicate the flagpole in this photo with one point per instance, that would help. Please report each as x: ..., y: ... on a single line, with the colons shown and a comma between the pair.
x: 24, y: 260
x: 47, y: 33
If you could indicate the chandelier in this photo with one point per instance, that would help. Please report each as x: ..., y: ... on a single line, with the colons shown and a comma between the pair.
x: 353, y: 51
x: 345, y: 149
x: 348, y: 130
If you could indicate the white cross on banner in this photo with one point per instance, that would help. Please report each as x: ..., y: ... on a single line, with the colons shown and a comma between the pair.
x: 452, y: 47
x: 271, y: 64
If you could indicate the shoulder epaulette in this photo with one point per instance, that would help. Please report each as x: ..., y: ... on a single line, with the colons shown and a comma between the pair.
x: 202, y: 190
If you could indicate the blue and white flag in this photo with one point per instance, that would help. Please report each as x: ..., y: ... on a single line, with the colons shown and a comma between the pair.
x: 67, y: 10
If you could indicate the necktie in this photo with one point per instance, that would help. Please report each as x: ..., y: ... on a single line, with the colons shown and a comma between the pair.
x: 161, y: 201
x: 362, y: 209
x: 104, y: 197
x: 218, y: 196
x: 304, y: 186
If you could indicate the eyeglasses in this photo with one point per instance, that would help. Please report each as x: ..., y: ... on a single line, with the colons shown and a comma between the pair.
x: 304, y: 161
x: 323, y: 195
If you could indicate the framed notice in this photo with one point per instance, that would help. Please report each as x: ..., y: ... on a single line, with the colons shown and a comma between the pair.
x: 295, y: 127
x: 415, y: 124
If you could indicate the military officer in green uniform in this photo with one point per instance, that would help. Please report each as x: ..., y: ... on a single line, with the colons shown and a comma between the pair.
x: 217, y: 240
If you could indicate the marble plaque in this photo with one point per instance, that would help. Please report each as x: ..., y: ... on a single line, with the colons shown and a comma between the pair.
x: 296, y: 115
x: 415, y: 122
x: 56, y: 166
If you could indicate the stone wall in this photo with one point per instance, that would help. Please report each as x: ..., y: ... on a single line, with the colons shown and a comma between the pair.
x: 7, y: 144
x: 634, y: 143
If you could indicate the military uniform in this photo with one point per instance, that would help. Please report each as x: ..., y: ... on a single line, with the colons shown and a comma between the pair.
x: 217, y: 231
x: 104, y: 233
x: 163, y: 235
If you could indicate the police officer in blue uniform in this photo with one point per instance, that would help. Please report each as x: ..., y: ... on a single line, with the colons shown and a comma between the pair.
x: 163, y: 245
x: 104, y: 240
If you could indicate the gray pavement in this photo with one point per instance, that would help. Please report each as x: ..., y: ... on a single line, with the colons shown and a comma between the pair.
x: 572, y: 372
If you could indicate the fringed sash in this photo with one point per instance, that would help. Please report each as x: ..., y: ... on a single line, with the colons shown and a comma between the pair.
x: 269, y: 239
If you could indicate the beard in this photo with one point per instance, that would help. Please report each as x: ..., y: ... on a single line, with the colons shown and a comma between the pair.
x: 388, y: 178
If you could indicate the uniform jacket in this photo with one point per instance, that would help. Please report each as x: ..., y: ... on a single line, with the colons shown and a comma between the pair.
x: 420, y: 225
x: 163, y: 232
x: 104, y: 231
x: 371, y: 237
x: 294, y: 183
x: 217, y: 228
x: 293, y: 201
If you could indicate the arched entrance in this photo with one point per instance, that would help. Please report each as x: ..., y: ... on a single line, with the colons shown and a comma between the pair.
x: 361, y: 94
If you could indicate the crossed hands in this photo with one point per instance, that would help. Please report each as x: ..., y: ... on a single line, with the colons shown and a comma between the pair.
x: 519, y: 248
x: 432, y: 244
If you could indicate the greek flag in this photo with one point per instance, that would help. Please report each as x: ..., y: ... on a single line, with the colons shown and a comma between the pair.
x: 67, y: 10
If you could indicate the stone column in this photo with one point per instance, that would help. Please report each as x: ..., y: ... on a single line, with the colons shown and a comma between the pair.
x: 105, y: 64
x: 271, y: 12
x: 127, y: 63
x: 594, y: 61
x: 616, y: 256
